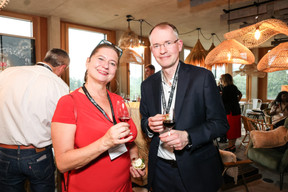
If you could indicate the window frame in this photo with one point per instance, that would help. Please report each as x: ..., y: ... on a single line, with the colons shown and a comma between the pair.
x: 39, y: 25
x: 111, y: 36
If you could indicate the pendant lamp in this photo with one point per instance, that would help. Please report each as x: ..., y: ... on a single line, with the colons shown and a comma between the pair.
x: 275, y: 60
x: 197, y: 55
x: 256, y: 34
x: 129, y: 39
x: 211, y: 47
x: 230, y: 52
x: 131, y: 56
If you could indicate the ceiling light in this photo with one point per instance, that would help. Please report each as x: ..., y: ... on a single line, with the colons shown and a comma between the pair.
x: 275, y: 60
x: 230, y: 52
x: 129, y: 39
x: 197, y: 55
x: 264, y: 29
x: 131, y: 56
x: 257, y: 34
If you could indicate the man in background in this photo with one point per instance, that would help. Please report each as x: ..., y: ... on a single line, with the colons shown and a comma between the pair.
x: 149, y: 70
x: 28, y: 98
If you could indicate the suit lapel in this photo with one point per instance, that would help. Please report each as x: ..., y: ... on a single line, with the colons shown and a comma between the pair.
x: 181, y: 89
x: 157, y: 92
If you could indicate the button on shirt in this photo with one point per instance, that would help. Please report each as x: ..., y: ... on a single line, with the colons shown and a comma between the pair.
x: 164, y: 151
x: 28, y: 98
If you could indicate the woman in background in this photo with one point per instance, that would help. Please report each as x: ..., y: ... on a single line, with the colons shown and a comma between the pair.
x: 89, y: 141
x: 231, y: 97
x: 279, y: 109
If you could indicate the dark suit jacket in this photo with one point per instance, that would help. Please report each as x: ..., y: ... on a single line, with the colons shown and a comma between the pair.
x: 199, y: 111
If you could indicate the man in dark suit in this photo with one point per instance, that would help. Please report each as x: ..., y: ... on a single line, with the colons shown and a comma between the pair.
x: 185, y: 158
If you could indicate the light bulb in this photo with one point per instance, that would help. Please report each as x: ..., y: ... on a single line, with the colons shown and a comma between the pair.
x: 257, y: 34
x: 229, y: 56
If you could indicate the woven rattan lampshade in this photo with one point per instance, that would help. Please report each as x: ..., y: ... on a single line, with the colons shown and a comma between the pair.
x: 249, y: 70
x: 230, y: 52
x: 275, y: 60
x: 130, y: 56
x: 268, y: 28
x: 128, y: 39
x: 211, y: 48
x: 197, y: 55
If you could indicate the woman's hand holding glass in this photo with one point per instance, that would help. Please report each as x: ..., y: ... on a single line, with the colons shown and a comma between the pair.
x: 120, y: 133
x: 117, y: 134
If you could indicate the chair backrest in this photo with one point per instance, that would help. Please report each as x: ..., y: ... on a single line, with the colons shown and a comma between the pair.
x: 246, y: 123
x: 259, y: 124
x: 256, y: 103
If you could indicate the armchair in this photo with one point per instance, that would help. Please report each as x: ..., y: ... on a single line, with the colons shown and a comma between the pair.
x: 263, y: 150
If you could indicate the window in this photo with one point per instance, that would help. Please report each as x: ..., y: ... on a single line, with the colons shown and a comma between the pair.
x: 135, y: 76
x: 218, y: 71
x: 12, y: 26
x: 17, y: 47
x: 274, y: 82
x: 81, y: 44
x: 240, y: 81
x: 186, y: 53
x: 154, y: 62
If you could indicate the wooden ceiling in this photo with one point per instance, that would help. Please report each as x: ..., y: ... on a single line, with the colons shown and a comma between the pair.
x: 186, y: 15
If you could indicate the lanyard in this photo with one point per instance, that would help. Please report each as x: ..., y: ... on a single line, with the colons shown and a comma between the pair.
x: 175, y: 80
x: 43, y: 65
x: 98, y: 107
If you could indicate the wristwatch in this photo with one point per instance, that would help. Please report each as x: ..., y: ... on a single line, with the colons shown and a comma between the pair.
x: 189, y: 145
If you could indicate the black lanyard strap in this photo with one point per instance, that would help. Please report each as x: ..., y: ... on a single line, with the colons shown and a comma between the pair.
x: 43, y: 65
x: 175, y: 80
x: 98, y: 106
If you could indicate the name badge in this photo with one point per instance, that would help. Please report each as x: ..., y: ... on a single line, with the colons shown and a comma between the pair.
x: 117, y: 151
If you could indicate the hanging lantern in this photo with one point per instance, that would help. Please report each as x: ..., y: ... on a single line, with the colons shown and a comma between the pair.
x: 131, y: 56
x: 256, y: 34
x: 230, y: 52
x: 275, y: 60
x: 197, y: 55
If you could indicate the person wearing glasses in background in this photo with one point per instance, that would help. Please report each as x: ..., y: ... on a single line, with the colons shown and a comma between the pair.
x: 185, y: 158
x: 28, y: 98
x: 149, y: 70
x: 91, y: 145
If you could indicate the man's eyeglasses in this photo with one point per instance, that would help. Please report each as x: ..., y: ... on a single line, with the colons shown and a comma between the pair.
x: 111, y: 44
x: 166, y: 44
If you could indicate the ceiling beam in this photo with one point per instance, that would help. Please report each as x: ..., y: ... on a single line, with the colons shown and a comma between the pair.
x: 247, y: 15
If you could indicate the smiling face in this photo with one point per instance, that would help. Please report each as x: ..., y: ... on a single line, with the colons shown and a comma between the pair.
x: 102, y: 65
x: 165, y: 46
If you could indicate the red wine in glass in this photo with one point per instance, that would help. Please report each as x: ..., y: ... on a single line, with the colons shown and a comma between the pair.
x: 169, y: 123
x: 124, y: 119
x: 123, y: 111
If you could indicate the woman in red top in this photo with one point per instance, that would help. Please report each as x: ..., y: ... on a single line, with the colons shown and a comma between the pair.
x: 88, y: 139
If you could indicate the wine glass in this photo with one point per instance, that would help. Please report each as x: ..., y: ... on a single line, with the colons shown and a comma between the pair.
x: 169, y: 120
x: 123, y: 111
